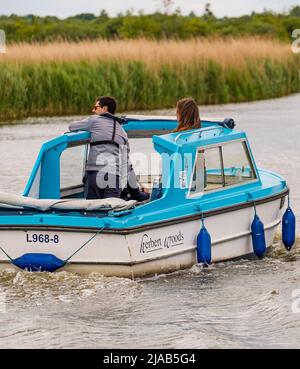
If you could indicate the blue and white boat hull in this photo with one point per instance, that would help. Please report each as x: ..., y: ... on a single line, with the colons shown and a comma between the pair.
x: 207, y: 175
x: 138, y: 253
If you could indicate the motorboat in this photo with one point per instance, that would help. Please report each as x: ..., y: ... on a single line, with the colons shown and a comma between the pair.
x: 208, y: 177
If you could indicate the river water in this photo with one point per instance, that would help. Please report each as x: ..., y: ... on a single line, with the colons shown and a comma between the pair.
x: 242, y: 304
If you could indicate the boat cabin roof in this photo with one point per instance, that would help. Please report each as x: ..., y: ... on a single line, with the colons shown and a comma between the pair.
x: 161, y: 129
x: 221, y: 172
x: 45, y: 180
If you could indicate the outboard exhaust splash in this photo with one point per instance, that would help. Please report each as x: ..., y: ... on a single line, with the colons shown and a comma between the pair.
x: 288, y: 228
x: 39, y: 262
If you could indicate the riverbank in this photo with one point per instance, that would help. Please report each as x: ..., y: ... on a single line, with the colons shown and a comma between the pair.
x: 64, y: 78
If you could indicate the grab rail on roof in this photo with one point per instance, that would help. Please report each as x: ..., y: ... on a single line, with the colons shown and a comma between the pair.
x: 200, y: 131
x: 227, y: 123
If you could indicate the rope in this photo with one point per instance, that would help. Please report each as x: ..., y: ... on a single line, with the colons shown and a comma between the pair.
x: 6, y: 254
x: 87, y: 242
x: 202, y: 214
x: 254, y: 205
x: 202, y: 218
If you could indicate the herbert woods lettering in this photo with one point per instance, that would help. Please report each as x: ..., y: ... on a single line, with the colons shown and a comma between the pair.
x: 149, y: 244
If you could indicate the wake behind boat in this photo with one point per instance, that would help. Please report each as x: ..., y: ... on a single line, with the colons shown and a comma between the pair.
x: 201, y: 208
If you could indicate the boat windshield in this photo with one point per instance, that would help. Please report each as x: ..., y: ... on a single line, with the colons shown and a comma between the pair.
x: 72, y: 169
x: 222, y: 166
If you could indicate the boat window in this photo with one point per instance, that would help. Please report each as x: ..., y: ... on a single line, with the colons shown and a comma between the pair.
x: 213, y: 174
x: 222, y: 166
x: 237, y: 163
x: 72, y: 166
x: 208, y: 173
x: 35, y: 187
x: 145, y: 160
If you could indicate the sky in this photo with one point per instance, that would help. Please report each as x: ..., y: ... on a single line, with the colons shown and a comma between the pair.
x: 65, y: 8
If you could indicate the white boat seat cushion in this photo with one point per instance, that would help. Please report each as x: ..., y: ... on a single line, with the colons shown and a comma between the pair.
x: 8, y: 200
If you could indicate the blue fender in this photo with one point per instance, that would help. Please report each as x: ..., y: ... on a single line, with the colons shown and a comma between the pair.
x: 204, y: 246
x: 258, y: 237
x: 288, y: 229
x: 39, y: 262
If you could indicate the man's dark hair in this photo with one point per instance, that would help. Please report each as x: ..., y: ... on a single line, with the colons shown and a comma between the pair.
x: 108, y: 101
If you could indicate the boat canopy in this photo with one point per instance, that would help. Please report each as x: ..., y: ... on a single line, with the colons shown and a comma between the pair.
x: 60, y: 167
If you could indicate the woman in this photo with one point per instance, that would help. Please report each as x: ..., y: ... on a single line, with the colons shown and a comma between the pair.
x: 187, y: 115
x: 187, y: 112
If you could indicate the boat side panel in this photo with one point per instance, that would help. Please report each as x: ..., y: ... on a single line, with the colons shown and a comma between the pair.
x: 159, y: 250
x: 230, y: 234
x: 108, y: 248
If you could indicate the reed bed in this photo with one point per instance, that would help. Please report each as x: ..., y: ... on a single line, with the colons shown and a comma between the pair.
x: 64, y: 78
x: 231, y: 52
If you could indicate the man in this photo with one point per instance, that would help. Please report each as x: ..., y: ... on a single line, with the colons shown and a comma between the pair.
x: 108, y: 160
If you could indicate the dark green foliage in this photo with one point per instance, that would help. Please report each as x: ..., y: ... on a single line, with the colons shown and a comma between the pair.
x: 295, y: 12
x: 156, y: 26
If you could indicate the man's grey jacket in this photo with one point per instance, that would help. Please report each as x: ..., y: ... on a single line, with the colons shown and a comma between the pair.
x: 106, y: 157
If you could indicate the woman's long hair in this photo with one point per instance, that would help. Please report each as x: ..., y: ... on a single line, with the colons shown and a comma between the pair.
x: 188, y: 115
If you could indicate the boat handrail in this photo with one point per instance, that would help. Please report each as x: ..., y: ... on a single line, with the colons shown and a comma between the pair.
x: 200, y: 131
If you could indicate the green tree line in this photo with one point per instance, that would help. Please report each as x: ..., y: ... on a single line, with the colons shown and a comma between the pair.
x: 159, y: 25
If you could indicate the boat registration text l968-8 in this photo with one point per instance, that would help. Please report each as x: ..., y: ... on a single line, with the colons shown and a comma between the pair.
x: 42, y: 238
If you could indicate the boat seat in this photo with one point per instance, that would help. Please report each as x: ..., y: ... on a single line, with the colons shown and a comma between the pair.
x: 8, y: 200
x: 153, y: 185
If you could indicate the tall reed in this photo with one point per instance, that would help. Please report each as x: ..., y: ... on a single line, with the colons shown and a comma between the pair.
x: 63, y: 78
